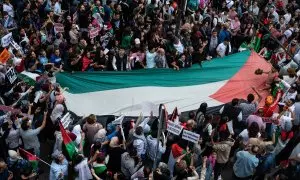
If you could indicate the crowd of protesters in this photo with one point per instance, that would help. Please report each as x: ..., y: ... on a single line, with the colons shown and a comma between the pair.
x: 111, y: 35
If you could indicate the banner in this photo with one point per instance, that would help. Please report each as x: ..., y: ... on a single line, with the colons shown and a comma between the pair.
x: 12, y: 110
x: 190, y: 136
x: 11, y: 75
x: 4, y: 56
x: 59, y: 27
x: 174, y: 128
x: 5, y: 40
x: 93, y: 32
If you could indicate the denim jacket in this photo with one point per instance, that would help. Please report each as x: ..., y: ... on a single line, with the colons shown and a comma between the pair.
x: 266, y: 163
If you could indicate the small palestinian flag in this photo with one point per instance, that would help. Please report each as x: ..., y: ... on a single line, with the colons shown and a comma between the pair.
x: 28, y: 77
x: 70, y: 146
x: 255, y: 44
x: 33, y: 159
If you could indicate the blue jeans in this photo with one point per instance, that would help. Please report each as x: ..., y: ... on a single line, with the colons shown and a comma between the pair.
x: 209, y: 171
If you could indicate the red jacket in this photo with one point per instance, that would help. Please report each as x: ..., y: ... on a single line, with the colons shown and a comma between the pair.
x: 86, y: 63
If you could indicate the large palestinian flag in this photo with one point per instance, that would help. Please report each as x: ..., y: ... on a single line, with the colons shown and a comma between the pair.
x: 133, y: 92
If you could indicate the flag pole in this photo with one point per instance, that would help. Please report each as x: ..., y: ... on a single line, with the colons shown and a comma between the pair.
x: 43, y: 161
x: 161, y: 119
x: 35, y: 156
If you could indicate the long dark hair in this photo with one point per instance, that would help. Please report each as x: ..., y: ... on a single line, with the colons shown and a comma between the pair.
x: 253, y: 130
x: 202, y: 108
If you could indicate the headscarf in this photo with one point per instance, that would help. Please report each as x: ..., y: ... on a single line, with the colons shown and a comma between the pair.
x: 77, y: 131
x: 57, y: 112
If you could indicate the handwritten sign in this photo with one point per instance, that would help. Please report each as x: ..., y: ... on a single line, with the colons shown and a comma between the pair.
x: 59, y: 27
x: 66, y: 120
x: 11, y: 75
x: 174, y: 128
x: 5, y: 40
x: 190, y: 136
x: 93, y: 33
x: 4, y: 56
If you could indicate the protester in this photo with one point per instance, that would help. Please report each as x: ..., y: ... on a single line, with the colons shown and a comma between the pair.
x: 47, y: 37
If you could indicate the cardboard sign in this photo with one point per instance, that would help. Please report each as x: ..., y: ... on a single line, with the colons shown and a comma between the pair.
x: 5, y: 40
x: 59, y: 27
x: 4, y: 56
x: 11, y: 75
x: 174, y: 128
x: 190, y: 136
x: 93, y: 33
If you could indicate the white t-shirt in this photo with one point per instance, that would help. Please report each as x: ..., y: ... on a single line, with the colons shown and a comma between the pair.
x: 288, y: 32
x: 221, y: 49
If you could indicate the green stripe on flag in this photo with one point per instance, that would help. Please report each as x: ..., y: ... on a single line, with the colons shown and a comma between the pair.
x: 34, y: 164
x: 70, y: 147
x: 218, y: 69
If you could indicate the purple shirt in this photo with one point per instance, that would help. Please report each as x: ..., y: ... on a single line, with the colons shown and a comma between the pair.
x: 257, y: 119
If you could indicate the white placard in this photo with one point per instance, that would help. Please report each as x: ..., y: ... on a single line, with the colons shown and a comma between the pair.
x: 66, y: 120
x: 11, y: 75
x: 5, y: 40
x: 59, y: 28
x: 190, y: 136
x: 174, y: 128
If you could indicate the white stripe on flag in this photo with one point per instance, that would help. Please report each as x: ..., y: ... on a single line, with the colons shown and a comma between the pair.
x: 131, y: 101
